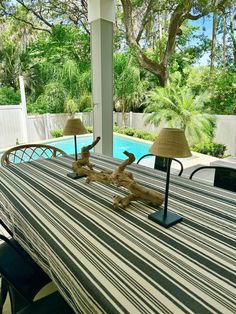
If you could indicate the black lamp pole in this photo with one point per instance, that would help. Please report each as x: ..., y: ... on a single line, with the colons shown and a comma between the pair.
x: 163, y: 217
x: 75, y: 175
x: 168, y: 163
x: 76, y: 158
x: 74, y: 127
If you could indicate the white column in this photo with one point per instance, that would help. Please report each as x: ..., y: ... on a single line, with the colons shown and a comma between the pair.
x: 23, y: 110
x: 101, y: 15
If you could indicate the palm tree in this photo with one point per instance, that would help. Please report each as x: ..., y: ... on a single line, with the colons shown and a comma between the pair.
x: 129, y: 87
x: 177, y: 107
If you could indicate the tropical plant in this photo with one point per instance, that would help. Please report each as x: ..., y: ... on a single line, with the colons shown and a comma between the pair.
x: 63, y: 71
x: 85, y: 103
x: 129, y: 87
x: 70, y: 106
x: 8, y: 96
x: 10, y: 64
x: 177, y: 107
x: 223, y: 90
x: 51, y: 100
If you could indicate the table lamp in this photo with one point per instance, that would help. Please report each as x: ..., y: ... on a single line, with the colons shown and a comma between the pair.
x: 74, y: 127
x: 170, y: 143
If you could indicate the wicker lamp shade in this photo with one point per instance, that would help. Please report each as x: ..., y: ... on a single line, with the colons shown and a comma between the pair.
x: 171, y: 143
x: 74, y: 127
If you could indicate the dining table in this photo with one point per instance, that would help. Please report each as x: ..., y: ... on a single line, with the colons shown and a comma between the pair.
x: 105, y: 259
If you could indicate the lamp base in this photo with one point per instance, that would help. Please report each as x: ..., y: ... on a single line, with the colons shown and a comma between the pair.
x: 166, y: 221
x: 74, y: 175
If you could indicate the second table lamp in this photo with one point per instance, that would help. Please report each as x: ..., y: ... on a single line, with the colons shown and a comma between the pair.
x: 74, y: 127
x: 170, y: 143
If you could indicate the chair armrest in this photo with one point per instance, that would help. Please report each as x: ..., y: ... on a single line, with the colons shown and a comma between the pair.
x: 144, y: 157
x: 200, y: 168
x: 181, y: 166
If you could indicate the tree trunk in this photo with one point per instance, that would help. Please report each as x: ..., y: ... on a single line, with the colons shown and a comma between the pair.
x: 182, y: 11
x: 213, y: 44
x: 224, y: 41
x: 157, y: 68
x: 160, y: 31
x: 233, y: 38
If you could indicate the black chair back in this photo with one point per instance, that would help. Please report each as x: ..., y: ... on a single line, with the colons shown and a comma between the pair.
x: 161, y: 163
x: 224, y: 178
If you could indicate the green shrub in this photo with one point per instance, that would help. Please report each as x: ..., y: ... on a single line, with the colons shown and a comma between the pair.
x: 56, y: 133
x: 129, y: 131
x: 117, y: 129
x: 8, y: 96
x: 135, y: 132
x: 89, y: 129
x: 51, y: 100
x: 144, y: 135
x: 149, y: 137
x: 70, y: 105
x: 138, y: 134
x: 85, y: 103
x: 212, y: 149
x: 59, y: 132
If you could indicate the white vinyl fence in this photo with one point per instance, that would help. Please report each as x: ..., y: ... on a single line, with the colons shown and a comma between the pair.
x: 15, y: 124
x: 12, y: 125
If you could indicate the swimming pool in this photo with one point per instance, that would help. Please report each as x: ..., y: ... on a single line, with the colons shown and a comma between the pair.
x: 120, y: 144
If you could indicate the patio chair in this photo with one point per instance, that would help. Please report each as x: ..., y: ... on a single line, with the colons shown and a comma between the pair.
x: 20, y: 275
x: 53, y: 303
x: 28, y: 152
x: 224, y: 178
x: 160, y: 163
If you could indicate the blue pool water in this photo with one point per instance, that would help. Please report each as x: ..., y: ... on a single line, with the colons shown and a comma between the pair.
x: 120, y: 144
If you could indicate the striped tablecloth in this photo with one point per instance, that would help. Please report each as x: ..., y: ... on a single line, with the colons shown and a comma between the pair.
x: 107, y: 260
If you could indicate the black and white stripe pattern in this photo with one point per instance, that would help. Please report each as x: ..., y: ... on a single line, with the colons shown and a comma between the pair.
x: 107, y: 260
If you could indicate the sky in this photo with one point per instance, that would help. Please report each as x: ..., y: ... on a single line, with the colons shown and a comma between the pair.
x: 205, y: 25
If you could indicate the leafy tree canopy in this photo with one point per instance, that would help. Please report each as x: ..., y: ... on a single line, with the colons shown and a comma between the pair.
x: 48, y: 42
